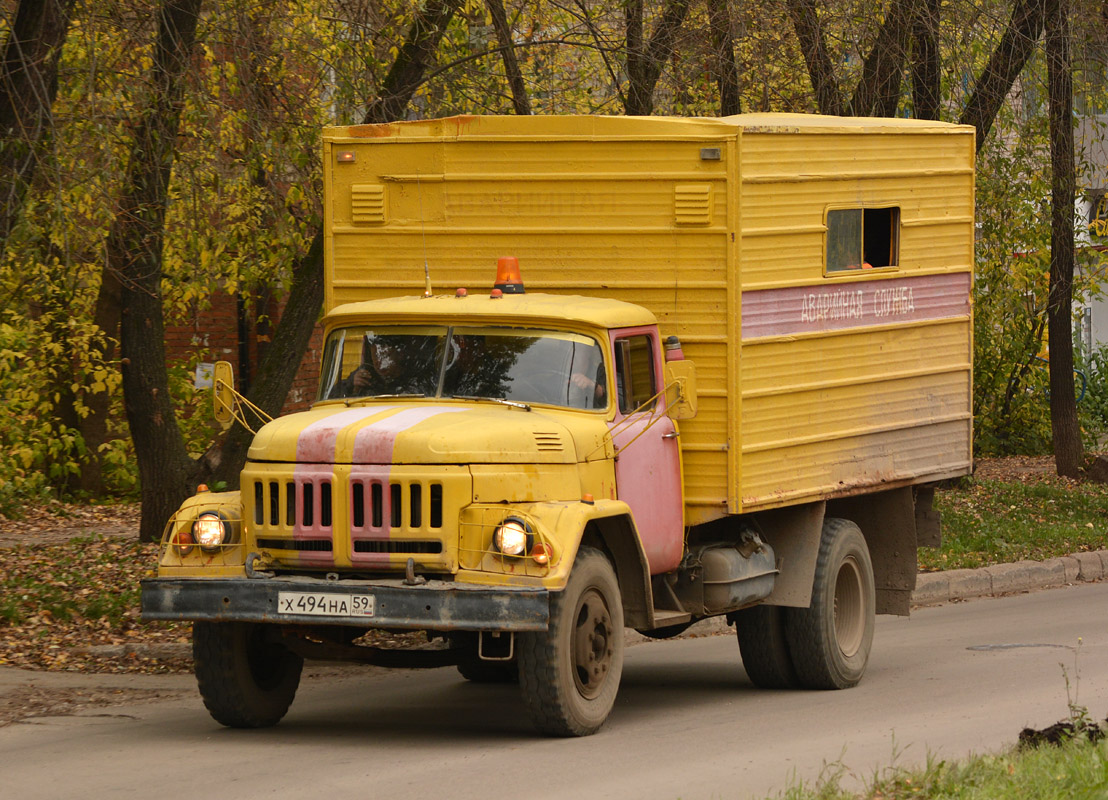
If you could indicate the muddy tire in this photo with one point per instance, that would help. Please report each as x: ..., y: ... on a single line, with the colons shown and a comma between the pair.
x: 830, y: 641
x: 570, y: 673
x: 764, y: 647
x: 245, y: 680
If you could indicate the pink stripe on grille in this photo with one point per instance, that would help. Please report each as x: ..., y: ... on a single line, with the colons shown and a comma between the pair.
x: 830, y: 306
x: 315, y: 475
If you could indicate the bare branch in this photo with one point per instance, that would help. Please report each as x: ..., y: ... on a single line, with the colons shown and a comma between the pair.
x: 878, y: 91
x: 1005, y: 65
x: 805, y: 21
x: 520, y: 100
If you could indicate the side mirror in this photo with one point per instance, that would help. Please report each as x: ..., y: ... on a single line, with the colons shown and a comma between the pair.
x: 223, y: 393
x: 680, y: 389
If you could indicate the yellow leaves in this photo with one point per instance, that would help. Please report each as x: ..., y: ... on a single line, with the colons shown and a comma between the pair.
x: 294, y: 196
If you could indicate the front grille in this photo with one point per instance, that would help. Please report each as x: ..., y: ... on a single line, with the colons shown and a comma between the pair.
x: 365, y: 516
x: 313, y: 500
x: 397, y: 546
x: 375, y: 504
x: 303, y: 545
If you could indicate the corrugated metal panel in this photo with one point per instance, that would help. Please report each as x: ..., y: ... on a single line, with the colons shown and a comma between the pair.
x: 856, y: 356
x: 778, y: 421
x: 785, y: 158
x: 640, y: 267
x: 809, y: 472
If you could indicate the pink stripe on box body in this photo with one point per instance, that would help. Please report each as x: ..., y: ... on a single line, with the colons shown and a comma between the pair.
x: 862, y: 304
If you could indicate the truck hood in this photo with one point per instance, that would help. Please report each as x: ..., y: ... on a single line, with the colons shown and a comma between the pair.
x: 415, y: 433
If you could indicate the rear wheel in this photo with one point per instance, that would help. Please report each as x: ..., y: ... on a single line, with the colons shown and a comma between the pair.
x: 830, y: 640
x: 764, y: 648
x: 245, y: 679
x: 570, y: 672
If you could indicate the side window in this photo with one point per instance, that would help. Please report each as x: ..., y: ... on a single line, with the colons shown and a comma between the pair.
x: 635, y: 380
x: 862, y: 238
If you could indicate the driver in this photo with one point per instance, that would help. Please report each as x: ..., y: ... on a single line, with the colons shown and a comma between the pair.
x: 380, y: 372
x: 594, y: 387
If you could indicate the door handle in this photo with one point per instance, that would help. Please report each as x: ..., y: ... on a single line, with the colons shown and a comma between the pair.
x: 670, y: 435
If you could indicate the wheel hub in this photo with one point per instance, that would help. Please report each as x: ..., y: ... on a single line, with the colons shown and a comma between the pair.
x: 592, y: 644
x: 850, y: 622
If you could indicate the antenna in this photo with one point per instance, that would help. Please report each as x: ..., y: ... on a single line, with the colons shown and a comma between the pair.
x: 423, y: 232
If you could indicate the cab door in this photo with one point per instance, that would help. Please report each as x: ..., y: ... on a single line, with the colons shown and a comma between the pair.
x: 648, y: 457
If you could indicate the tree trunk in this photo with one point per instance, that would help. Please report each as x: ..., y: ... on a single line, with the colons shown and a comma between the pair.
x: 878, y: 90
x: 1065, y: 430
x: 28, y: 86
x: 926, y: 75
x: 723, y: 49
x: 278, y: 367
x: 1005, y: 65
x: 411, y: 62
x: 134, y: 254
x: 645, y: 59
x: 520, y: 100
x: 829, y: 99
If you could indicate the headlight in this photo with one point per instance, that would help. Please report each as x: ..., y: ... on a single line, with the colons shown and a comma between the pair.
x: 513, y: 537
x: 210, y: 530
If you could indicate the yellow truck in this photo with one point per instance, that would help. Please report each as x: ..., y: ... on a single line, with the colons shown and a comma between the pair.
x: 719, y: 370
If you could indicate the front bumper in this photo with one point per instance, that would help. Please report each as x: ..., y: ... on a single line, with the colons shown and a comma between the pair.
x: 434, y: 605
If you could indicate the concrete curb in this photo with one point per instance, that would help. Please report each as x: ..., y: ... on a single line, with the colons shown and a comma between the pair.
x: 1022, y: 576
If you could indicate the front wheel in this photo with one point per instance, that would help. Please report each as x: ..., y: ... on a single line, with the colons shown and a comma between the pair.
x: 830, y: 640
x: 245, y: 679
x: 570, y: 672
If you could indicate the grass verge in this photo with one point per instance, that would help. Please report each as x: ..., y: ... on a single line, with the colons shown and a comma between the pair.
x: 1076, y: 769
x: 1026, y: 516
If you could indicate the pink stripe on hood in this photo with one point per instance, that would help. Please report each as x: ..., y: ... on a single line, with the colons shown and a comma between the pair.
x: 316, y: 442
x: 374, y: 443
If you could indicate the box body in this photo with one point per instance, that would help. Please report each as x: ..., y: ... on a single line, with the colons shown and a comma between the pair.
x: 820, y: 375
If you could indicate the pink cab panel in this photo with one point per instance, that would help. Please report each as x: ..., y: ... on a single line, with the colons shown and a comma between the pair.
x: 648, y: 469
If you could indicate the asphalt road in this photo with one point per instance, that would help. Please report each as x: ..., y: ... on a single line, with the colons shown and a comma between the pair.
x: 964, y: 677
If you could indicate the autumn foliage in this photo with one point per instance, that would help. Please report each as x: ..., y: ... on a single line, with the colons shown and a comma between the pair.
x: 157, y: 154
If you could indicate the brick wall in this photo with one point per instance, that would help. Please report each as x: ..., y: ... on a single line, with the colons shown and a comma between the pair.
x: 213, y: 335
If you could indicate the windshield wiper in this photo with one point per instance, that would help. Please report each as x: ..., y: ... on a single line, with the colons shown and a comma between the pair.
x: 351, y: 400
x: 501, y: 400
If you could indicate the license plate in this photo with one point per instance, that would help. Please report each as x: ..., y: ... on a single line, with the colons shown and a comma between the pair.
x: 322, y: 604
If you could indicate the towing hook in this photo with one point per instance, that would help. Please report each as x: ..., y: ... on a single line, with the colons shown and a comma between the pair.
x: 410, y: 578
x: 252, y: 559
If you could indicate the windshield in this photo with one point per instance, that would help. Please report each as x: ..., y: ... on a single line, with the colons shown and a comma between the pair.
x: 516, y: 364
